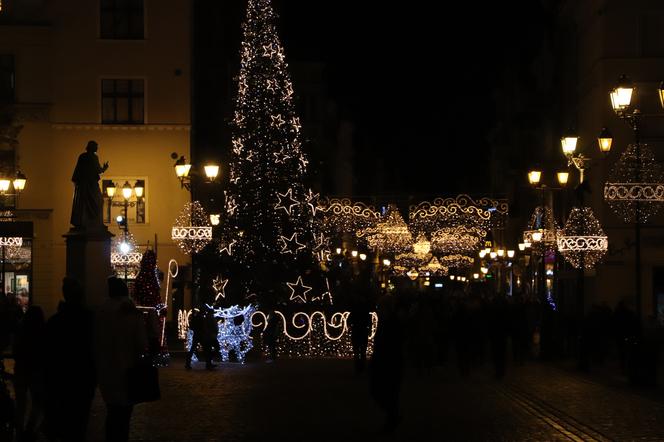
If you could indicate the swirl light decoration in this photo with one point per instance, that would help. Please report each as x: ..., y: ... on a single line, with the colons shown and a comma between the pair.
x: 542, y: 230
x: 192, y: 230
x: 583, y: 242
x: 11, y: 246
x: 457, y: 261
x: 343, y: 216
x: 461, y: 210
x: 457, y: 239
x: 635, y: 189
x: 391, y: 234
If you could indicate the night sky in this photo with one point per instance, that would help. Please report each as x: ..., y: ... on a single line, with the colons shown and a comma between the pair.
x: 416, y: 80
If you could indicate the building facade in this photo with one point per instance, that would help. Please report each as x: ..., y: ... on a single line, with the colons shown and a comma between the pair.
x: 118, y: 73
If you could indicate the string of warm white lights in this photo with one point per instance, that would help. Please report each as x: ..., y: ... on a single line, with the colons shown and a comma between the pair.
x: 391, y: 234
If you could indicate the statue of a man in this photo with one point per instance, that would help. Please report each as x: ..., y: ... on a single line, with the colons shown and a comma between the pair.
x: 86, y: 212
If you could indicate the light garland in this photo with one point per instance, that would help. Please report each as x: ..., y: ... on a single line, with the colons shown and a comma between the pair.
x: 583, y: 242
x: 192, y: 230
x: 635, y: 189
x: 342, y: 216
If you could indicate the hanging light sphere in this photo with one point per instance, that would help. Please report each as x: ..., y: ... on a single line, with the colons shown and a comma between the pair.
x: 583, y: 242
x: 635, y: 189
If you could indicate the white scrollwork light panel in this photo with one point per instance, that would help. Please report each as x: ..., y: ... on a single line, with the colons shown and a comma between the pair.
x: 192, y: 230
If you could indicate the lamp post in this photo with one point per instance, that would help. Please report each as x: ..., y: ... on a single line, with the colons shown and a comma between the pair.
x: 8, y: 211
x: 187, y: 174
x: 127, y: 192
x: 632, y: 188
x: 542, y: 229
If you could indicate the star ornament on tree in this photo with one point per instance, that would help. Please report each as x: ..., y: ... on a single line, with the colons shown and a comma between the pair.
x: 277, y: 120
x: 268, y: 50
x: 312, y: 201
x: 291, y: 245
x: 298, y: 290
x: 228, y: 248
x: 219, y: 286
x: 287, y: 207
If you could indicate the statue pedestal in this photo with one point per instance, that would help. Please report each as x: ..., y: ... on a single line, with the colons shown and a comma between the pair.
x: 89, y: 261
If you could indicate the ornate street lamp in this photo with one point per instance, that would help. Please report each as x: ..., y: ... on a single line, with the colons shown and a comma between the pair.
x: 635, y: 188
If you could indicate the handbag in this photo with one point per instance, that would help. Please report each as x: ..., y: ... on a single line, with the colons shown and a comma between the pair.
x: 143, y: 379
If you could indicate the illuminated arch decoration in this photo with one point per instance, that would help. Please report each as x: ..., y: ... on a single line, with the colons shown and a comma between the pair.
x: 635, y: 189
x: 192, y: 230
x: 583, y: 242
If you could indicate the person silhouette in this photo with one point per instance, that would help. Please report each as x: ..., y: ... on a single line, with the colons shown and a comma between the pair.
x: 120, y: 340
x: 70, y: 383
x: 29, y: 373
x: 86, y: 212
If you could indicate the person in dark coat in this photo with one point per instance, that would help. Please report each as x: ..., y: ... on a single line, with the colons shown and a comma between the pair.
x: 70, y: 382
x: 360, y: 323
x: 387, y: 362
x: 29, y: 350
x: 203, y: 331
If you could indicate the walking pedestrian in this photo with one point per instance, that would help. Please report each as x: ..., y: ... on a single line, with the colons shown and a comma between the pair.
x: 120, y: 340
x: 71, y: 381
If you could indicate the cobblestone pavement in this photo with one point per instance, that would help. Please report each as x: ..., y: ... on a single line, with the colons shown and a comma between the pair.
x: 321, y: 400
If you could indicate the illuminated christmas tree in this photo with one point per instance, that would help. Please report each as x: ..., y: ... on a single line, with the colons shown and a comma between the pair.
x: 269, y: 213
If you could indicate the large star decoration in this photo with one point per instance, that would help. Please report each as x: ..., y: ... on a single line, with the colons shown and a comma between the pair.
x: 228, y: 248
x: 268, y: 50
x: 237, y: 146
x: 271, y: 84
x: 290, y: 245
x: 287, y: 207
x: 219, y: 286
x: 312, y: 199
x: 295, y: 290
x: 277, y: 120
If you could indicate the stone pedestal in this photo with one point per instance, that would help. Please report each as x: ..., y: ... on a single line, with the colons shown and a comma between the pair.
x: 89, y: 261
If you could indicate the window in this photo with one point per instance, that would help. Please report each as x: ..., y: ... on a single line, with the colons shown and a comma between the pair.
x: 122, y: 101
x: 121, y: 19
x: 7, y: 78
x: 137, y: 206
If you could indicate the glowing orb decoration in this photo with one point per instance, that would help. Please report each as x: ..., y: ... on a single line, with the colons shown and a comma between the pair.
x: 583, y: 242
x: 192, y: 230
x: 125, y: 256
x: 635, y: 189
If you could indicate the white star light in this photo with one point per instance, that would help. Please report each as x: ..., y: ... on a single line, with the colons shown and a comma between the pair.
x: 219, y: 286
x: 291, y: 245
x: 311, y: 197
x: 238, y: 145
x: 228, y: 248
x: 278, y: 120
x: 287, y: 207
x: 298, y: 284
x: 268, y: 50
x: 271, y: 84
x: 296, y: 124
